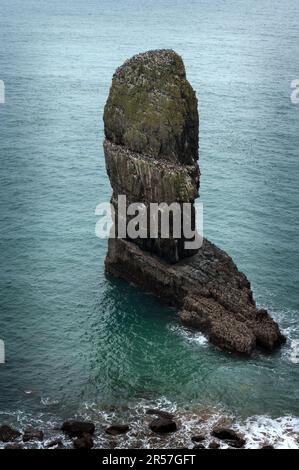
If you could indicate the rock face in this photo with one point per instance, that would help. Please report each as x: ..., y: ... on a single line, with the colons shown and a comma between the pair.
x: 211, y: 294
x: 151, y: 146
x: 151, y: 152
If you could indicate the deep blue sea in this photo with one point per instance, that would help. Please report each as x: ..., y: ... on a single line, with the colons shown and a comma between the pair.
x: 80, y: 343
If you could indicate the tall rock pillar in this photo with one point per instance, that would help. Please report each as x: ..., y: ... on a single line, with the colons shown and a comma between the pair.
x: 151, y: 151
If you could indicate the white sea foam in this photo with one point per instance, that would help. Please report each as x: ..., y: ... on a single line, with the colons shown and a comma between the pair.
x: 294, y: 351
x: 288, y: 322
x: 48, y: 401
x: 189, y: 335
x: 282, y: 432
x: 258, y: 431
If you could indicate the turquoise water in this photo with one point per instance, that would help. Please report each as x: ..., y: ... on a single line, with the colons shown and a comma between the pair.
x: 75, y: 338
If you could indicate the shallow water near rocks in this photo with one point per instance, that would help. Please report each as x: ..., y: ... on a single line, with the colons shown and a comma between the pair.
x: 80, y: 343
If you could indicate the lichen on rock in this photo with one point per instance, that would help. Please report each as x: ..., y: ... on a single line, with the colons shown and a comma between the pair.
x: 152, y: 108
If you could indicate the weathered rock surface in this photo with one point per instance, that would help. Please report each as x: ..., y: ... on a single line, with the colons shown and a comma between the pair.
x: 151, y: 152
x: 209, y: 291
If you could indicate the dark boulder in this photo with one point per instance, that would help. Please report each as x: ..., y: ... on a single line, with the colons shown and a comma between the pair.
x: 31, y: 434
x: 231, y: 437
x: 214, y: 445
x: 8, y: 434
x: 237, y: 444
x: 77, y: 428
x: 84, y: 442
x: 198, y: 438
x: 225, y: 434
x: 163, y: 425
x: 117, y: 429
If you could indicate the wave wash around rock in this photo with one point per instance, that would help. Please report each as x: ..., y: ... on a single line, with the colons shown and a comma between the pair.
x: 151, y: 151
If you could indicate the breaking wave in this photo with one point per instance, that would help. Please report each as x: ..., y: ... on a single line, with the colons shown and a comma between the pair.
x: 258, y: 431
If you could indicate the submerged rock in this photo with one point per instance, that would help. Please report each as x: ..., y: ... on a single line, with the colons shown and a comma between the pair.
x: 163, y: 425
x: 161, y: 413
x: 8, y: 434
x: 151, y: 152
x: 117, y: 429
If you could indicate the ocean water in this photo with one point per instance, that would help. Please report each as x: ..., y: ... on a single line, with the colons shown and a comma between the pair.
x: 80, y: 343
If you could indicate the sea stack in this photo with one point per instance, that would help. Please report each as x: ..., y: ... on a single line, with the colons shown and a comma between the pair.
x: 151, y: 151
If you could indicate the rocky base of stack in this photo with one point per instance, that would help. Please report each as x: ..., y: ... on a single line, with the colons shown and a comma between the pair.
x: 210, y: 293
